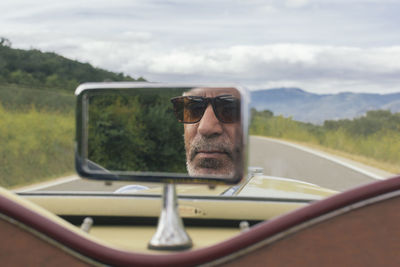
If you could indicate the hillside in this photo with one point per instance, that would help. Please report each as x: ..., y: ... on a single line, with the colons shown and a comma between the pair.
x: 316, y: 108
x: 44, y: 70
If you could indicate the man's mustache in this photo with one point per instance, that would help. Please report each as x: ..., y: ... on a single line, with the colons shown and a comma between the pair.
x: 209, y: 144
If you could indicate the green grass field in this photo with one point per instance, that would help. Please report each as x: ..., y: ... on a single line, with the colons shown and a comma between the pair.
x: 36, y: 135
x: 35, y: 145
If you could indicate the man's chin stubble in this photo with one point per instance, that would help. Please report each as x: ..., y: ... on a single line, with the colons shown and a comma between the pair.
x: 209, y: 167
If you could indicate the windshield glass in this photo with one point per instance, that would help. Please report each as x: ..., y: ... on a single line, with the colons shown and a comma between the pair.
x: 323, y: 81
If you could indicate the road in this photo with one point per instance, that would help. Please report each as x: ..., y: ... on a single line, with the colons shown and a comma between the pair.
x: 276, y: 157
x: 284, y: 159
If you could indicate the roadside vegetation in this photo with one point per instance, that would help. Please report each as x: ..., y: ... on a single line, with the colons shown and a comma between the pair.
x: 374, y: 138
x: 35, y: 145
x: 36, y: 134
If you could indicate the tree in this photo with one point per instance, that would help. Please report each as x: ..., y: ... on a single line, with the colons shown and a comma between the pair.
x: 136, y: 131
x: 5, y: 42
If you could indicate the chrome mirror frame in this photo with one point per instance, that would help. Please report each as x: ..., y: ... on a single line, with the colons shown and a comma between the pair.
x: 88, y: 169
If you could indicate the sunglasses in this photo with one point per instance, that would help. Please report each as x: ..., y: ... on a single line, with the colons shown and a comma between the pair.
x: 190, y: 109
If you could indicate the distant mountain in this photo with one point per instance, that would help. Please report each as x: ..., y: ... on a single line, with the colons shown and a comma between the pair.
x: 316, y: 108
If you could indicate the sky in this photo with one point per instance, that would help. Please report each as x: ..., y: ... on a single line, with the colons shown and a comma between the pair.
x: 325, y: 46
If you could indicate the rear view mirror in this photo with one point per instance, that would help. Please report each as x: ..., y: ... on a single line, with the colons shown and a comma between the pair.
x: 161, y: 133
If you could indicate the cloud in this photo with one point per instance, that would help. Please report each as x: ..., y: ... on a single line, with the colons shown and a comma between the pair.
x: 280, y: 60
x: 317, y: 67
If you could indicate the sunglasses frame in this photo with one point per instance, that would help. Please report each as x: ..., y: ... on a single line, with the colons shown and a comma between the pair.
x: 207, y: 101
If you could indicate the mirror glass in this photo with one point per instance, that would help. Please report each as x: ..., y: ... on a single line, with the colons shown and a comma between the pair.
x: 157, y: 132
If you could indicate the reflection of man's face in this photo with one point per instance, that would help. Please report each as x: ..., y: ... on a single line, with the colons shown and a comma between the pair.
x: 213, y: 147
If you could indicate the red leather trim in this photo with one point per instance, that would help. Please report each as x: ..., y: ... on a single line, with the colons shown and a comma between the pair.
x: 19, y: 247
x: 189, y: 258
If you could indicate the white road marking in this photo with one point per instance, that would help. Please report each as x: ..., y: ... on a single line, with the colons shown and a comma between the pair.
x: 326, y: 156
x: 43, y: 185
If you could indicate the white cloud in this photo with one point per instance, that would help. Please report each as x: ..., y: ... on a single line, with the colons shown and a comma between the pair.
x: 318, y: 68
x: 236, y: 59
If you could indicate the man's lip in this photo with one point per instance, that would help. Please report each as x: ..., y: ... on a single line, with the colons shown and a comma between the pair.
x: 210, y: 154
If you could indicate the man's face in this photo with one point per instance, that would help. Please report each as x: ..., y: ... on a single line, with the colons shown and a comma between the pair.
x: 213, y: 147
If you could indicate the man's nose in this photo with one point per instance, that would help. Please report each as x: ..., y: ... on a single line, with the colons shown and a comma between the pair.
x: 209, y: 124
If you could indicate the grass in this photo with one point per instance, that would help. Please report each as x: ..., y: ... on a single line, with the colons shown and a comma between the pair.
x: 17, y: 98
x: 35, y: 145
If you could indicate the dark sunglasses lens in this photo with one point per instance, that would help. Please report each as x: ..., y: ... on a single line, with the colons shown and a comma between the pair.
x: 189, y: 109
x: 227, y: 109
x: 194, y: 108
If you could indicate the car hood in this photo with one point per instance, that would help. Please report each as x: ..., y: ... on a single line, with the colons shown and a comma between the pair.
x: 257, y: 186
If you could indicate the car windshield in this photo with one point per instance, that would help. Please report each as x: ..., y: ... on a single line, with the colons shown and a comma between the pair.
x: 323, y: 79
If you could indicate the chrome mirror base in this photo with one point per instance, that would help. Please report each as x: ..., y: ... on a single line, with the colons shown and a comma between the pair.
x: 170, y: 234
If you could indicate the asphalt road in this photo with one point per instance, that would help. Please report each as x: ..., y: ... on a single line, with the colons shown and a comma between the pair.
x: 277, y: 158
x: 289, y: 160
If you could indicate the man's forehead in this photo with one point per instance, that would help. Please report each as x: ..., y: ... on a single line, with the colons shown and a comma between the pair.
x: 213, y: 91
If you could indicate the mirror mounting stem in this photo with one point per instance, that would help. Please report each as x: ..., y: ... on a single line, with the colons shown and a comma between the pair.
x: 170, y: 234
